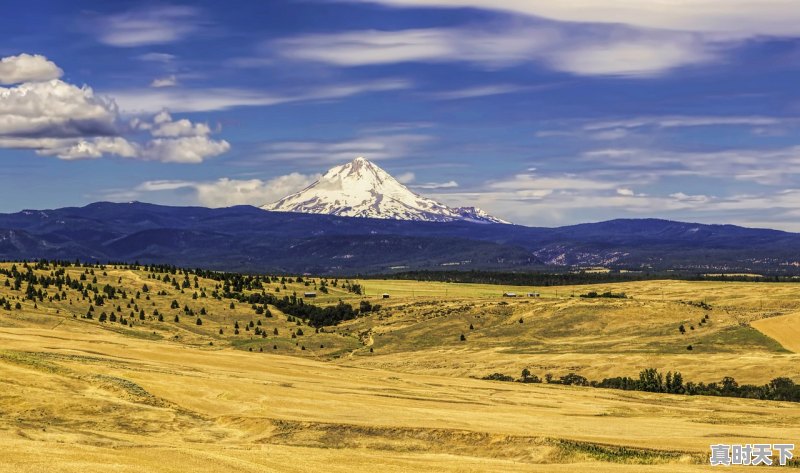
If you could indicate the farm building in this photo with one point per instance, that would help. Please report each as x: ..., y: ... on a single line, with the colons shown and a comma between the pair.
x: 309, y: 294
x: 509, y: 294
x: 533, y: 294
x: 385, y: 295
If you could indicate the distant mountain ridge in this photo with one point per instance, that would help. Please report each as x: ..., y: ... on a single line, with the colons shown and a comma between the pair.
x: 361, y: 188
x: 245, y: 238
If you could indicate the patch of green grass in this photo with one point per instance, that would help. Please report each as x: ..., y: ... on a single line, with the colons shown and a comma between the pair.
x: 570, y: 449
x: 735, y: 339
x: 32, y: 360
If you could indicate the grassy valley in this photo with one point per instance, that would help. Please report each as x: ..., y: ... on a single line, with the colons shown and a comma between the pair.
x: 184, y: 373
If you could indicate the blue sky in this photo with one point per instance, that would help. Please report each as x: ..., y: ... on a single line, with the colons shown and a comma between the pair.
x: 543, y: 113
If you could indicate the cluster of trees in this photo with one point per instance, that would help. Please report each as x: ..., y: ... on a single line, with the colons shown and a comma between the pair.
x: 651, y: 380
x: 520, y: 279
x: 314, y: 315
x: 243, y: 288
x: 570, y: 278
x: 607, y: 294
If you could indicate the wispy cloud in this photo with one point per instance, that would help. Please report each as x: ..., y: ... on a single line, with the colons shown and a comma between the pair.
x: 147, y: 26
x: 732, y: 18
x: 480, y: 91
x: 168, y: 81
x: 773, y: 167
x: 682, y: 121
x: 619, y: 128
x: 558, y: 199
x: 201, y: 100
x: 436, y: 185
x: 373, y: 147
x: 616, y: 51
x: 157, y: 57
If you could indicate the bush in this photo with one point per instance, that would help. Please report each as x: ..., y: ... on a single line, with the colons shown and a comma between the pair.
x: 498, y: 377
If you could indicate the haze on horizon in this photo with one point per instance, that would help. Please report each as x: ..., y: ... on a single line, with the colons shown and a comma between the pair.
x: 539, y: 113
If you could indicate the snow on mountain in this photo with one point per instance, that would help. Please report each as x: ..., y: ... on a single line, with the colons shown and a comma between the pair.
x: 362, y: 189
x: 474, y: 214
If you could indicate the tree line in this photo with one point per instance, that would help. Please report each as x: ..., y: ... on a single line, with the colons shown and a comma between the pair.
x: 651, y: 380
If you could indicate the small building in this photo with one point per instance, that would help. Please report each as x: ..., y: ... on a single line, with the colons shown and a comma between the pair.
x: 385, y: 295
x: 534, y: 294
x: 509, y: 294
x: 309, y: 294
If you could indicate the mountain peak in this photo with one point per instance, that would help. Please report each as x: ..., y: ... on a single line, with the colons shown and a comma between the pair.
x: 360, y: 188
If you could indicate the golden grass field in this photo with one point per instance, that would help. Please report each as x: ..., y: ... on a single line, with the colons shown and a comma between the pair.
x: 83, y: 396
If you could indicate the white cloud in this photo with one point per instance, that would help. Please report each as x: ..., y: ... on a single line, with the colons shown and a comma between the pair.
x: 226, y: 192
x: 188, y: 150
x: 168, y: 81
x: 680, y: 121
x: 202, y: 100
x: 27, y: 68
x: 437, y: 185
x: 93, y: 148
x: 155, y: 25
x: 610, y: 135
x: 762, y: 166
x: 558, y: 200
x: 405, y: 178
x: 747, y: 18
x: 636, y: 56
x: 617, y: 50
x: 523, y: 184
x: 371, y: 47
x: 55, y: 118
x: 480, y: 91
x: 165, y: 126
x: 54, y: 109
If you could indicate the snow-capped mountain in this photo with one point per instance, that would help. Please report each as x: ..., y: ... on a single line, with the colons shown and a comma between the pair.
x: 362, y: 189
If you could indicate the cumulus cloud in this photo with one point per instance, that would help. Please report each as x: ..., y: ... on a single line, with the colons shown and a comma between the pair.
x: 226, y: 192
x: 190, y: 150
x: 93, y: 148
x: 165, y: 126
x: 147, y: 26
x: 54, y: 109
x: 27, y: 68
x: 55, y: 118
